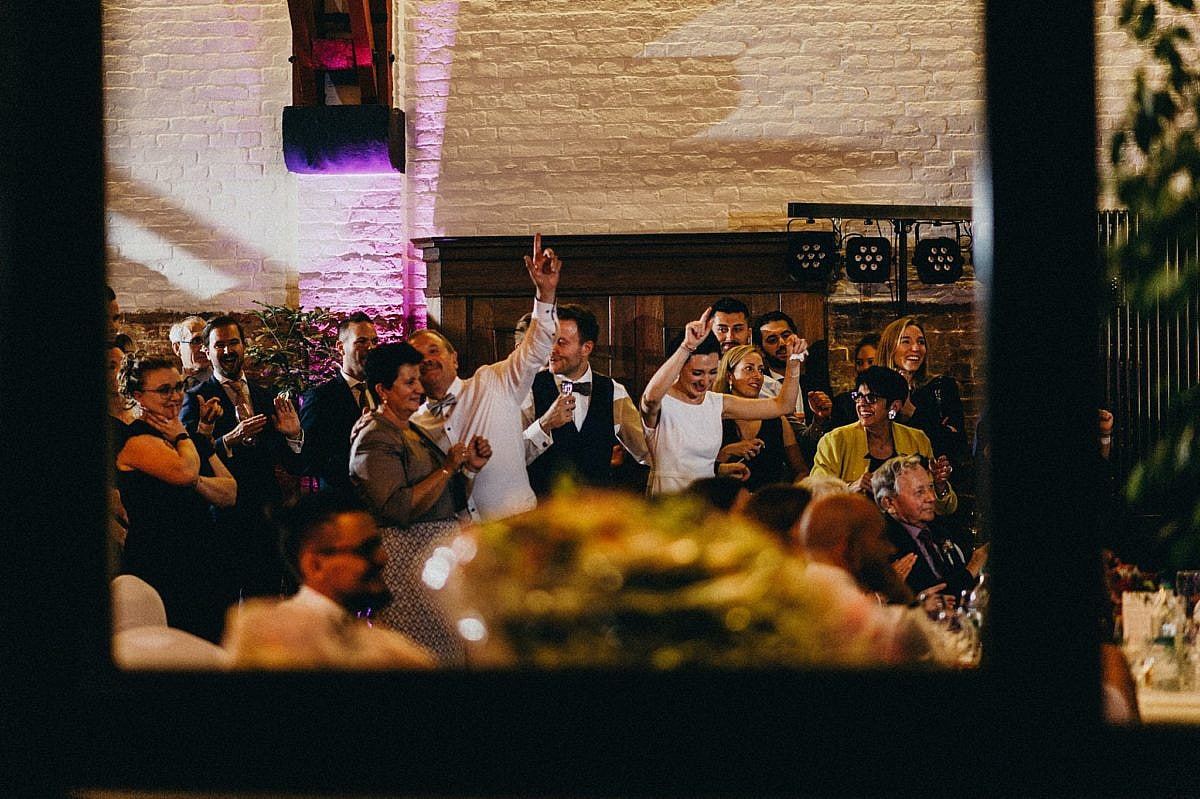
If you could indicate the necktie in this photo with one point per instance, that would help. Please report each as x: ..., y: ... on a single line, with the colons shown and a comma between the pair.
x: 933, y: 553
x: 583, y: 388
x: 360, y: 391
x: 237, y: 394
x: 442, y: 407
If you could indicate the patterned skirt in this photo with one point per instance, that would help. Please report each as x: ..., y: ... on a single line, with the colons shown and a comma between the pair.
x: 412, y: 610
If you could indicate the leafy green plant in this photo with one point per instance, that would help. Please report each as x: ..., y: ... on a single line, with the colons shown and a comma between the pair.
x: 293, y: 348
x: 1156, y: 166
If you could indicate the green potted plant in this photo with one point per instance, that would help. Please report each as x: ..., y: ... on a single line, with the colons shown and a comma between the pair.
x: 1156, y: 168
x: 294, y: 349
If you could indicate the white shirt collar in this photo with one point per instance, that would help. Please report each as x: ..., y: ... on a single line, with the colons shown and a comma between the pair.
x: 318, y: 602
x: 586, y: 377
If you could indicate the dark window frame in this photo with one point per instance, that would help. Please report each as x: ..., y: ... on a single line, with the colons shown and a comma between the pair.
x: 1029, y: 719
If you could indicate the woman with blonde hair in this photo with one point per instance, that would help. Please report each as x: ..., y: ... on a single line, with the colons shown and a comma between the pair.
x: 767, y: 446
x: 933, y: 405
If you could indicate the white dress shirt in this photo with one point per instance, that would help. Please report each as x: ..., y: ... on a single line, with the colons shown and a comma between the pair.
x: 489, y: 404
x: 773, y: 385
x: 627, y: 422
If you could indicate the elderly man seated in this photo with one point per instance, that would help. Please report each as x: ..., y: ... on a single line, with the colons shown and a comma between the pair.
x: 334, y: 546
x: 848, y: 557
x: 928, y: 559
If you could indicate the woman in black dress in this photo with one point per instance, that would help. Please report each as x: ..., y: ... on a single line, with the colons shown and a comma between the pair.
x: 934, y: 405
x: 767, y: 446
x: 167, y: 482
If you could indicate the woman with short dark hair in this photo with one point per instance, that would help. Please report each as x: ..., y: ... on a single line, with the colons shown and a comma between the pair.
x: 853, y: 452
x: 413, y: 488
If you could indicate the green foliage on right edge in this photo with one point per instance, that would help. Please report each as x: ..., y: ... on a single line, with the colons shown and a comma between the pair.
x: 1156, y: 166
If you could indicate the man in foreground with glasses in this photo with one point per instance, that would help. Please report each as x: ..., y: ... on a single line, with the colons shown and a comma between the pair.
x: 333, y: 546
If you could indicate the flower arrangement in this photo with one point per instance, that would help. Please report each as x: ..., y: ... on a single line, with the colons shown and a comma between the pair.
x: 598, y: 579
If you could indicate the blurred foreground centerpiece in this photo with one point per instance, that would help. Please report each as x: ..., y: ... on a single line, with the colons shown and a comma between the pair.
x: 596, y: 579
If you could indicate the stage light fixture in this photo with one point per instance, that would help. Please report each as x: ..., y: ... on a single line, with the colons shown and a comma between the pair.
x: 938, y: 259
x: 868, y: 259
x: 812, y: 256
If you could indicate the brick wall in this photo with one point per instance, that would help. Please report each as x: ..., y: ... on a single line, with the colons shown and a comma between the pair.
x: 606, y: 118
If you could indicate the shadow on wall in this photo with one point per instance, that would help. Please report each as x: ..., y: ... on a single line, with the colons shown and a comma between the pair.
x: 166, y: 250
x: 698, y: 117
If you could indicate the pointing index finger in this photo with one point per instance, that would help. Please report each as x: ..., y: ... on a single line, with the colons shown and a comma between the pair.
x: 537, y: 245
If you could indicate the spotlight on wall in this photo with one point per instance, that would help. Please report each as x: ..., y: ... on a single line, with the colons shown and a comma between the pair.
x: 868, y: 259
x: 812, y: 256
x: 938, y: 259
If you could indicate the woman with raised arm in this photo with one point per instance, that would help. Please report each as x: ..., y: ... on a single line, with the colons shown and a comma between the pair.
x: 933, y: 404
x: 167, y: 480
x: 767, y: 446
x: 683, y: 416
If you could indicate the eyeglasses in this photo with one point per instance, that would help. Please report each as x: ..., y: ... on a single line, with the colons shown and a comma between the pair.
x: 168, y: 389
x: 865, y: 396
x: 198, y: 341
x: 366, y: 550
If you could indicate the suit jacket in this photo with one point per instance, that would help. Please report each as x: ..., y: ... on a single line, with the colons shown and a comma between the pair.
x: 954, y: 574
x: 256, y: 566
x: 252, y: 466
x: 327, y: 412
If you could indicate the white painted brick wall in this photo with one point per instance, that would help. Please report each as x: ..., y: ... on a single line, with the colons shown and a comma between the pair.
x: 660, y: 116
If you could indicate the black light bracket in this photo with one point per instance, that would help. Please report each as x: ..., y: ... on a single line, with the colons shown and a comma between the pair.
x: 904, y: 219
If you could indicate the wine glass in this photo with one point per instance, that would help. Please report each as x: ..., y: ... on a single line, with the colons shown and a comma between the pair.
x: 243, y: 411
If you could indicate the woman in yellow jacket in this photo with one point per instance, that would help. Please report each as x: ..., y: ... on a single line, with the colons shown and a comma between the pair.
x: 853, y: 452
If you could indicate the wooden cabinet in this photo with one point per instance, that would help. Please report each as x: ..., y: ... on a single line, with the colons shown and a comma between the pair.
x: 643, y: 288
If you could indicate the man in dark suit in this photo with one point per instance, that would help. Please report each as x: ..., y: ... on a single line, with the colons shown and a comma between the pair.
x: 257, y: 431
x: 574, y: 430
x: 329, y: 410
x: 927, y: 558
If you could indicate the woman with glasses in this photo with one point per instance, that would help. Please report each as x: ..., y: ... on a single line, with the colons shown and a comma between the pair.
x: 167, y: 481
x: 414, y: 489
x: 932, y: 404
x: 853, y: 452
x: 767, y: 446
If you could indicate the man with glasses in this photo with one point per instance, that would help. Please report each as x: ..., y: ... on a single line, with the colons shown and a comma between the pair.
x: 333, y: 546
x: 329, y: 411
x: 257, y: 430
x: 187, y: 341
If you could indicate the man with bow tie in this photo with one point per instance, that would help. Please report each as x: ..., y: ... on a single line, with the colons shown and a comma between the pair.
x: 329, y: 411
x: 926, y: 558
x: 488, y: 403
x: 575, y: 416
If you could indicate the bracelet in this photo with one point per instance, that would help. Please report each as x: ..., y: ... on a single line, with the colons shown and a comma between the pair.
x: 179, y: 438
x: 686, y: 347
x: 1105, y: 440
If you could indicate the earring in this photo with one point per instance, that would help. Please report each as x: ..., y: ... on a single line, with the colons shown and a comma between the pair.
x: 892, y: 413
